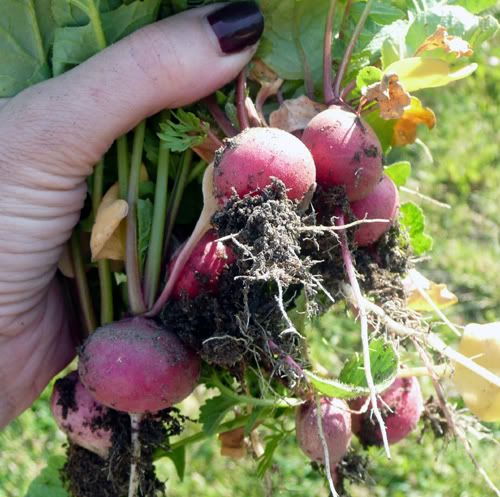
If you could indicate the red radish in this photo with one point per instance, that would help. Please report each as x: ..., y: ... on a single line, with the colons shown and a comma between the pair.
x: 346, y: 151
x: 336, y: 421
x: 401, y: 408
x: 250, y: 160
x: 381, y: 203
x: 204, y: 267
x: 136, y: 366
x: 78, y: 415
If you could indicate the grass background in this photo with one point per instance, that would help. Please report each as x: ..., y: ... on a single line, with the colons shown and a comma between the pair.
x: 464, y: 173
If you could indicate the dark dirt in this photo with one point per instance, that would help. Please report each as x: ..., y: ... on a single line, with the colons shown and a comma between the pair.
x: 278, y: 250
x: 86, y: 474
x: 66, y: 389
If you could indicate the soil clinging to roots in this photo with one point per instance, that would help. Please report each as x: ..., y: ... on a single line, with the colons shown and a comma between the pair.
x: 85, y: 473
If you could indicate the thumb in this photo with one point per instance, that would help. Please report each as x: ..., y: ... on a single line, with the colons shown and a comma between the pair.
x: 167, y: 64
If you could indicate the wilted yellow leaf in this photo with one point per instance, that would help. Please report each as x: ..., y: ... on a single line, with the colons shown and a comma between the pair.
x: 295, y: 114
x: 450, y: 44
x: 405, y: 129
x: 107, y: 240
x: 233, y: 443
x: 390, y: 95
x: 416, y: 73
x: 438, y: 293
x: 481, y: 343
x: 262, y: 73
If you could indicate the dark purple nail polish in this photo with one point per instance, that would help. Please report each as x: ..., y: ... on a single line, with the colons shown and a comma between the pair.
x: 237, y: 25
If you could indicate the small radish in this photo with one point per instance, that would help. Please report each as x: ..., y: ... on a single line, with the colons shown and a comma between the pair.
x: 250, y: 160
x: 202, y: 226
x: 78, y: 415
x: 346, y: 151
x: 336, y: 422
x: 136, y: 366
x: 381, y: 203
x: 401, y: 408
x: 201, y: 273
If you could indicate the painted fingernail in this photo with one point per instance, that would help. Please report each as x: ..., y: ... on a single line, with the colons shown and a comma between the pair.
x: 237, y: 25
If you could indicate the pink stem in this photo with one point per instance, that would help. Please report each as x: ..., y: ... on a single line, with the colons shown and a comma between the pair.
x: 241, y: 111
x: 220, y: 117
x: 327, y: 55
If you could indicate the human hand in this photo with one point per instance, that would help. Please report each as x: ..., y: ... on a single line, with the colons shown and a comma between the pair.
x: 51, y: 136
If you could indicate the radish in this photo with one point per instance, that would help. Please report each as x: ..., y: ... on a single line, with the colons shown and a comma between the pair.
x: 204, y: 267
x: 401, y: 407
x: 381, y: 203
x: 336, y: 421
x: 250, y: 160
x: 136, y: 366
x: 78, y: 415
x: 346, y: 151
x: 247, y: 163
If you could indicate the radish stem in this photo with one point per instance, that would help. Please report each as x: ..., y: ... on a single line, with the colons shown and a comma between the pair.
x: 350, y: 47
x: 241, y: 89
x: 105, y: 281
x: 202, y: 226
x: 358, y: 296
x: 220, y: 117
x: 155, y: 250
x: 327, y: 54
x: 136, y: 300
x: 123, y: 165
x: 175, y: 199
x: 89, y: 320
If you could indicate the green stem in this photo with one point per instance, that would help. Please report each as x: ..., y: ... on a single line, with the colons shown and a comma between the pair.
x: 180, y: 184
x: 86, y: 306
x: 105, y: 281
x: 95, y: 20
x: 123, y: 165
x: 350, y: 47
x: 155, y: 250
x: 136, y: 299
x: 327, y: 54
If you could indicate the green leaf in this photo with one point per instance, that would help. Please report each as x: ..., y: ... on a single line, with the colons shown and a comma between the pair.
x: 144, y: 223
x: 381, y: 13
x: 213, y: 411
x: 26, y: 34
x: 384, y: 128
x: 416, y: 73
x: 352, y: 382
x: 413, y: 220
x: 399, y: 172
x: 266, y: 459
x: 88, y: 30
x: 187, y: 132
x: 367, y: 76
x: 383, y: 364
x: 456, y: 20
x: 293, y: 37
x: 48, y: 483
x: 178, y: 457
x: 389, y: 43
x: 475, y: 6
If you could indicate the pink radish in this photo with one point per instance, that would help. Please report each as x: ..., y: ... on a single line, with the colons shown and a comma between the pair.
x: 204, y: 267
x: 80, y: 417
x: 250, y: 160
x: 346, y: 151
x: 336, y: 421
x: 381, y: 203
x: 136, y: 366
x: 401, y: 407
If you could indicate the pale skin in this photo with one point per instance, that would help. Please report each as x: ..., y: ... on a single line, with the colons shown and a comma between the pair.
x: 51, y: 136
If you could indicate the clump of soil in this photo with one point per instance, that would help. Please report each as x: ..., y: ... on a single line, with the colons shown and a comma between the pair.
x: 235, y: 326
x: 85, y: 473
x: 281, y: 251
